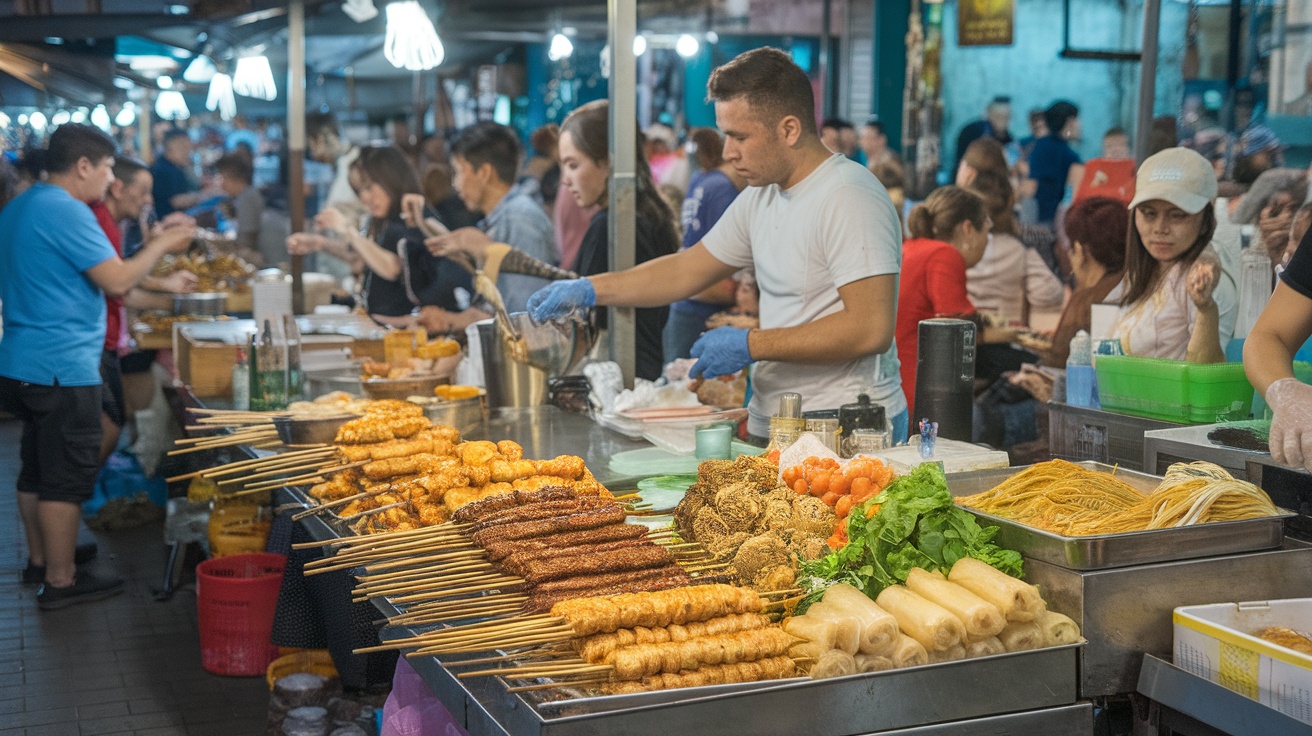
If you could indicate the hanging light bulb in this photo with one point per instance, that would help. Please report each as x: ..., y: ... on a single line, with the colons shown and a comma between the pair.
x: 164, y: 82
x: 170, y: 106
x: 687, y: 46
x: 60, y: 117
x: 125, y: 117
x: 22, y: 119
x: 100, y: 117
x: 4, y: 120
x: 79, y: 116
x: 639, y: 45
x: 561, y: 47
x: 200, y: 70
x: 38, y: 120
x: 411, y: 42
x: 220, y: 97
x: 254, y: 78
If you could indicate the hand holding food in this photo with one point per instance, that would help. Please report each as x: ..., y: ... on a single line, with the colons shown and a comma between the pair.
x: 303, y: 244
x: 721, y: 352
x: 179, y: 282
x: 174, y: 240
x: 332, y: 219
x: 1291, y: 425
x: 468, y: 240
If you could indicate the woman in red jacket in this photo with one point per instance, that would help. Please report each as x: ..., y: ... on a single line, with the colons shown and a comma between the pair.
x: 949, y: 232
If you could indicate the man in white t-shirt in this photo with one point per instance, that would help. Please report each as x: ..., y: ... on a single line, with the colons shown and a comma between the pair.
x: 820, y: 232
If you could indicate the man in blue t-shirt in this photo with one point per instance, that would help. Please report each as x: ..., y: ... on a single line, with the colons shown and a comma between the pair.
x: 710, y: 192
x: 175, y: 190
x: 1054, y: 165
x: 55, y: 260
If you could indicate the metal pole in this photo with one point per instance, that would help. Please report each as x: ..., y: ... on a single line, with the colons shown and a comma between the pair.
x: 296, y: 138
x: 1232, y: 62
x: 1152, y: 16
x: 623, y: 26
x: 826, y: 65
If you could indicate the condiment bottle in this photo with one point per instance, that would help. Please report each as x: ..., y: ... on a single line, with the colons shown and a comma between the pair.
x: 1081, y: 381
x: 787, y: 425
x: 241, y: 382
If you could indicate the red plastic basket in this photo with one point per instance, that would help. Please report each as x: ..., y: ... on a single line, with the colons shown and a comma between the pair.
x: 235, y: 600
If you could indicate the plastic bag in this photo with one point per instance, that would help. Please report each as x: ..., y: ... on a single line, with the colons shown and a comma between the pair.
x: 412, y: 709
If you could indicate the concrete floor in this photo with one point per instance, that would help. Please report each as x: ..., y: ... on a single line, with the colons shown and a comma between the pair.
x: 127, y: 665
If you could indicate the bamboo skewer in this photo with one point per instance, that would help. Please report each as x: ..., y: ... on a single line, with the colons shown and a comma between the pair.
x: 541, y: 653
x: 293, y: 465
x: 441, y: 595
x: 280, y: 458
x: 509, y: 609
x: 272, y: 440
x: 424, y: 588
x: 386, y: 563
x: 550, y: 685
x: 281, y: 482
x: 530, y: 672
x: 507, y: 597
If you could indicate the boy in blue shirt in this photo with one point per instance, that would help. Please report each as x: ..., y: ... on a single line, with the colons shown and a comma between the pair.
x: 54, y: 263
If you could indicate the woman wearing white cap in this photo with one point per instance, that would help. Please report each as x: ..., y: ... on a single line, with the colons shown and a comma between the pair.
x: 1176, y: 301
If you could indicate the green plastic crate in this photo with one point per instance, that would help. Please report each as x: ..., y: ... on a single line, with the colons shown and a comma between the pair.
x: 1173, y: 390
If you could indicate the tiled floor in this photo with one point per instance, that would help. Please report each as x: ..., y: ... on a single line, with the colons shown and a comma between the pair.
x: 128, y: 665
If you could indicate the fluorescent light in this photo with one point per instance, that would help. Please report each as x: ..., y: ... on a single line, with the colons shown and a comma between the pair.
x: 60, y: 117
x: 165, y: 82
x: 79, y: 116
x: 124, y: 83
x: 254, y: 78
x: 38, y: 120
x: 125, y: 117
x: 687, y: 46
x: 22, y: 119
x: 100, y: 117
x: 561, y: 47
x: 639, y: 45
x: 411, y: 41
x: 712, y: 37
x: 152, y: 64
x: 4, y: 120
x: 220, y: 97
x: 200, y: 70
x: 170, y: 106
x: 360, y: 10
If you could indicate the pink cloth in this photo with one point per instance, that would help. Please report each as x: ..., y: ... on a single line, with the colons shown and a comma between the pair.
x: 412, y: 709
x: 571, y: 222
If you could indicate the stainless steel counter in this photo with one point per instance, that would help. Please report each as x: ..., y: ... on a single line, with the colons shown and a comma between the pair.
x: 545, y: 432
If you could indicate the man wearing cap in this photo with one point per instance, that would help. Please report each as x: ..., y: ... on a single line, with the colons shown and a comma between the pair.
x: 1176, y: 301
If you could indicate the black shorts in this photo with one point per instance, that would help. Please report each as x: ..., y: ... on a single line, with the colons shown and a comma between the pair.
x: 111, y: 399
x: 61, y: 438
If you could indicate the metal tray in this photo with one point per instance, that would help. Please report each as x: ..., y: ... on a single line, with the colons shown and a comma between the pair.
x: 1104, y: 551
x: 857, y: 704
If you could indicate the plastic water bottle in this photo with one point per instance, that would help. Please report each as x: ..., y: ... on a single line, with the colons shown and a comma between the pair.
x: 241, y: 382
x: 1081, y: 381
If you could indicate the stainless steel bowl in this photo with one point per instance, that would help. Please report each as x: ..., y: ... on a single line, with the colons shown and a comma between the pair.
x: 401, y: 388
x: 465, y: 415
x: 313, y: 431
x: 201, y: 304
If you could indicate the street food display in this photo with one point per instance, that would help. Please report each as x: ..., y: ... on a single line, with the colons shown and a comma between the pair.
x: 1069, y: 500
x: 218, y: 272
x: 740, y: 512
x: 840, y: 487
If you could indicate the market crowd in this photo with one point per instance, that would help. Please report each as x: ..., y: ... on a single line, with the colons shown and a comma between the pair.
x: 773, y: 243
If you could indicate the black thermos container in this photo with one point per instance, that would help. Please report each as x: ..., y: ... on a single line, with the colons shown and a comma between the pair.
x: 945, y: 377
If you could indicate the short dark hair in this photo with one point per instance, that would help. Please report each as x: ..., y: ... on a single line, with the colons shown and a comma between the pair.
x: 1057, y: 114
x: 172, y: 134
x: 318, y: 123
x: 710, y: 148
x: 1100, y: 225
x: 770, y: 81
x: 237, y: 165
x: 127, y: 169
x: 73, y: 142
x: 837, y: 124
x: 1115, y: 131
x: 490, y: 143
x: 878, y: 126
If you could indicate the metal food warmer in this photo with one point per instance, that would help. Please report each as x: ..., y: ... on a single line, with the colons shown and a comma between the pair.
x: 1122, y: 588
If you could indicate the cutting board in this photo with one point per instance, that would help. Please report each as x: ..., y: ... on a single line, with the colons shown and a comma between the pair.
x: 651, y: 461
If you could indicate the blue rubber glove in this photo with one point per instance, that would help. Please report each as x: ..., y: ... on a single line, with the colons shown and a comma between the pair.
x: 560, y: 299
x: 721, y: 352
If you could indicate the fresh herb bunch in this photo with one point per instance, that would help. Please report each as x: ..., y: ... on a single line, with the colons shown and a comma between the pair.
x: 916, y: 525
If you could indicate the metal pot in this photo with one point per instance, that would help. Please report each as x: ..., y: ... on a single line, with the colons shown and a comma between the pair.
x: 310, y: 431
x: 465, y: 415
x: 320, y: 382
x: 201, y: 304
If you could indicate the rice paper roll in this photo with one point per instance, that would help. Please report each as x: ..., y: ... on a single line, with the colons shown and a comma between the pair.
x: 1057, y: 629
x: 872, y: 663
x: 928, y: 623
x: 981, y: 618
x: 814, y: 629
x: 950, y: 654
x: 985, y: 648
x: 1017, y: 600
x: 834, y: 663
x: 1020, y: 636
x: 847, y: 630
x: 878, y: 629
x: 908, y: 653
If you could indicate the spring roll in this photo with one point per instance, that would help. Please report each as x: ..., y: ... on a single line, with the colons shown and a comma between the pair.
x: 985, y: 647
x: 928, y: 623
x: 816, y: 636
x: 1057, y: 629
x: 951, y: 654
x: 872, y: 663
x: 909, y: 653
x: 1018, y: 601
x: 847, y: 631
x: 878, y: 628
x: 834, y: 663
x: 981, y: 618
x: 1020, y: 636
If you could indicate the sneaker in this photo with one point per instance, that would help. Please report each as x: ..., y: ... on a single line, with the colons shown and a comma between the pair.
x: 85, y: 588
x: 36, y: 574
